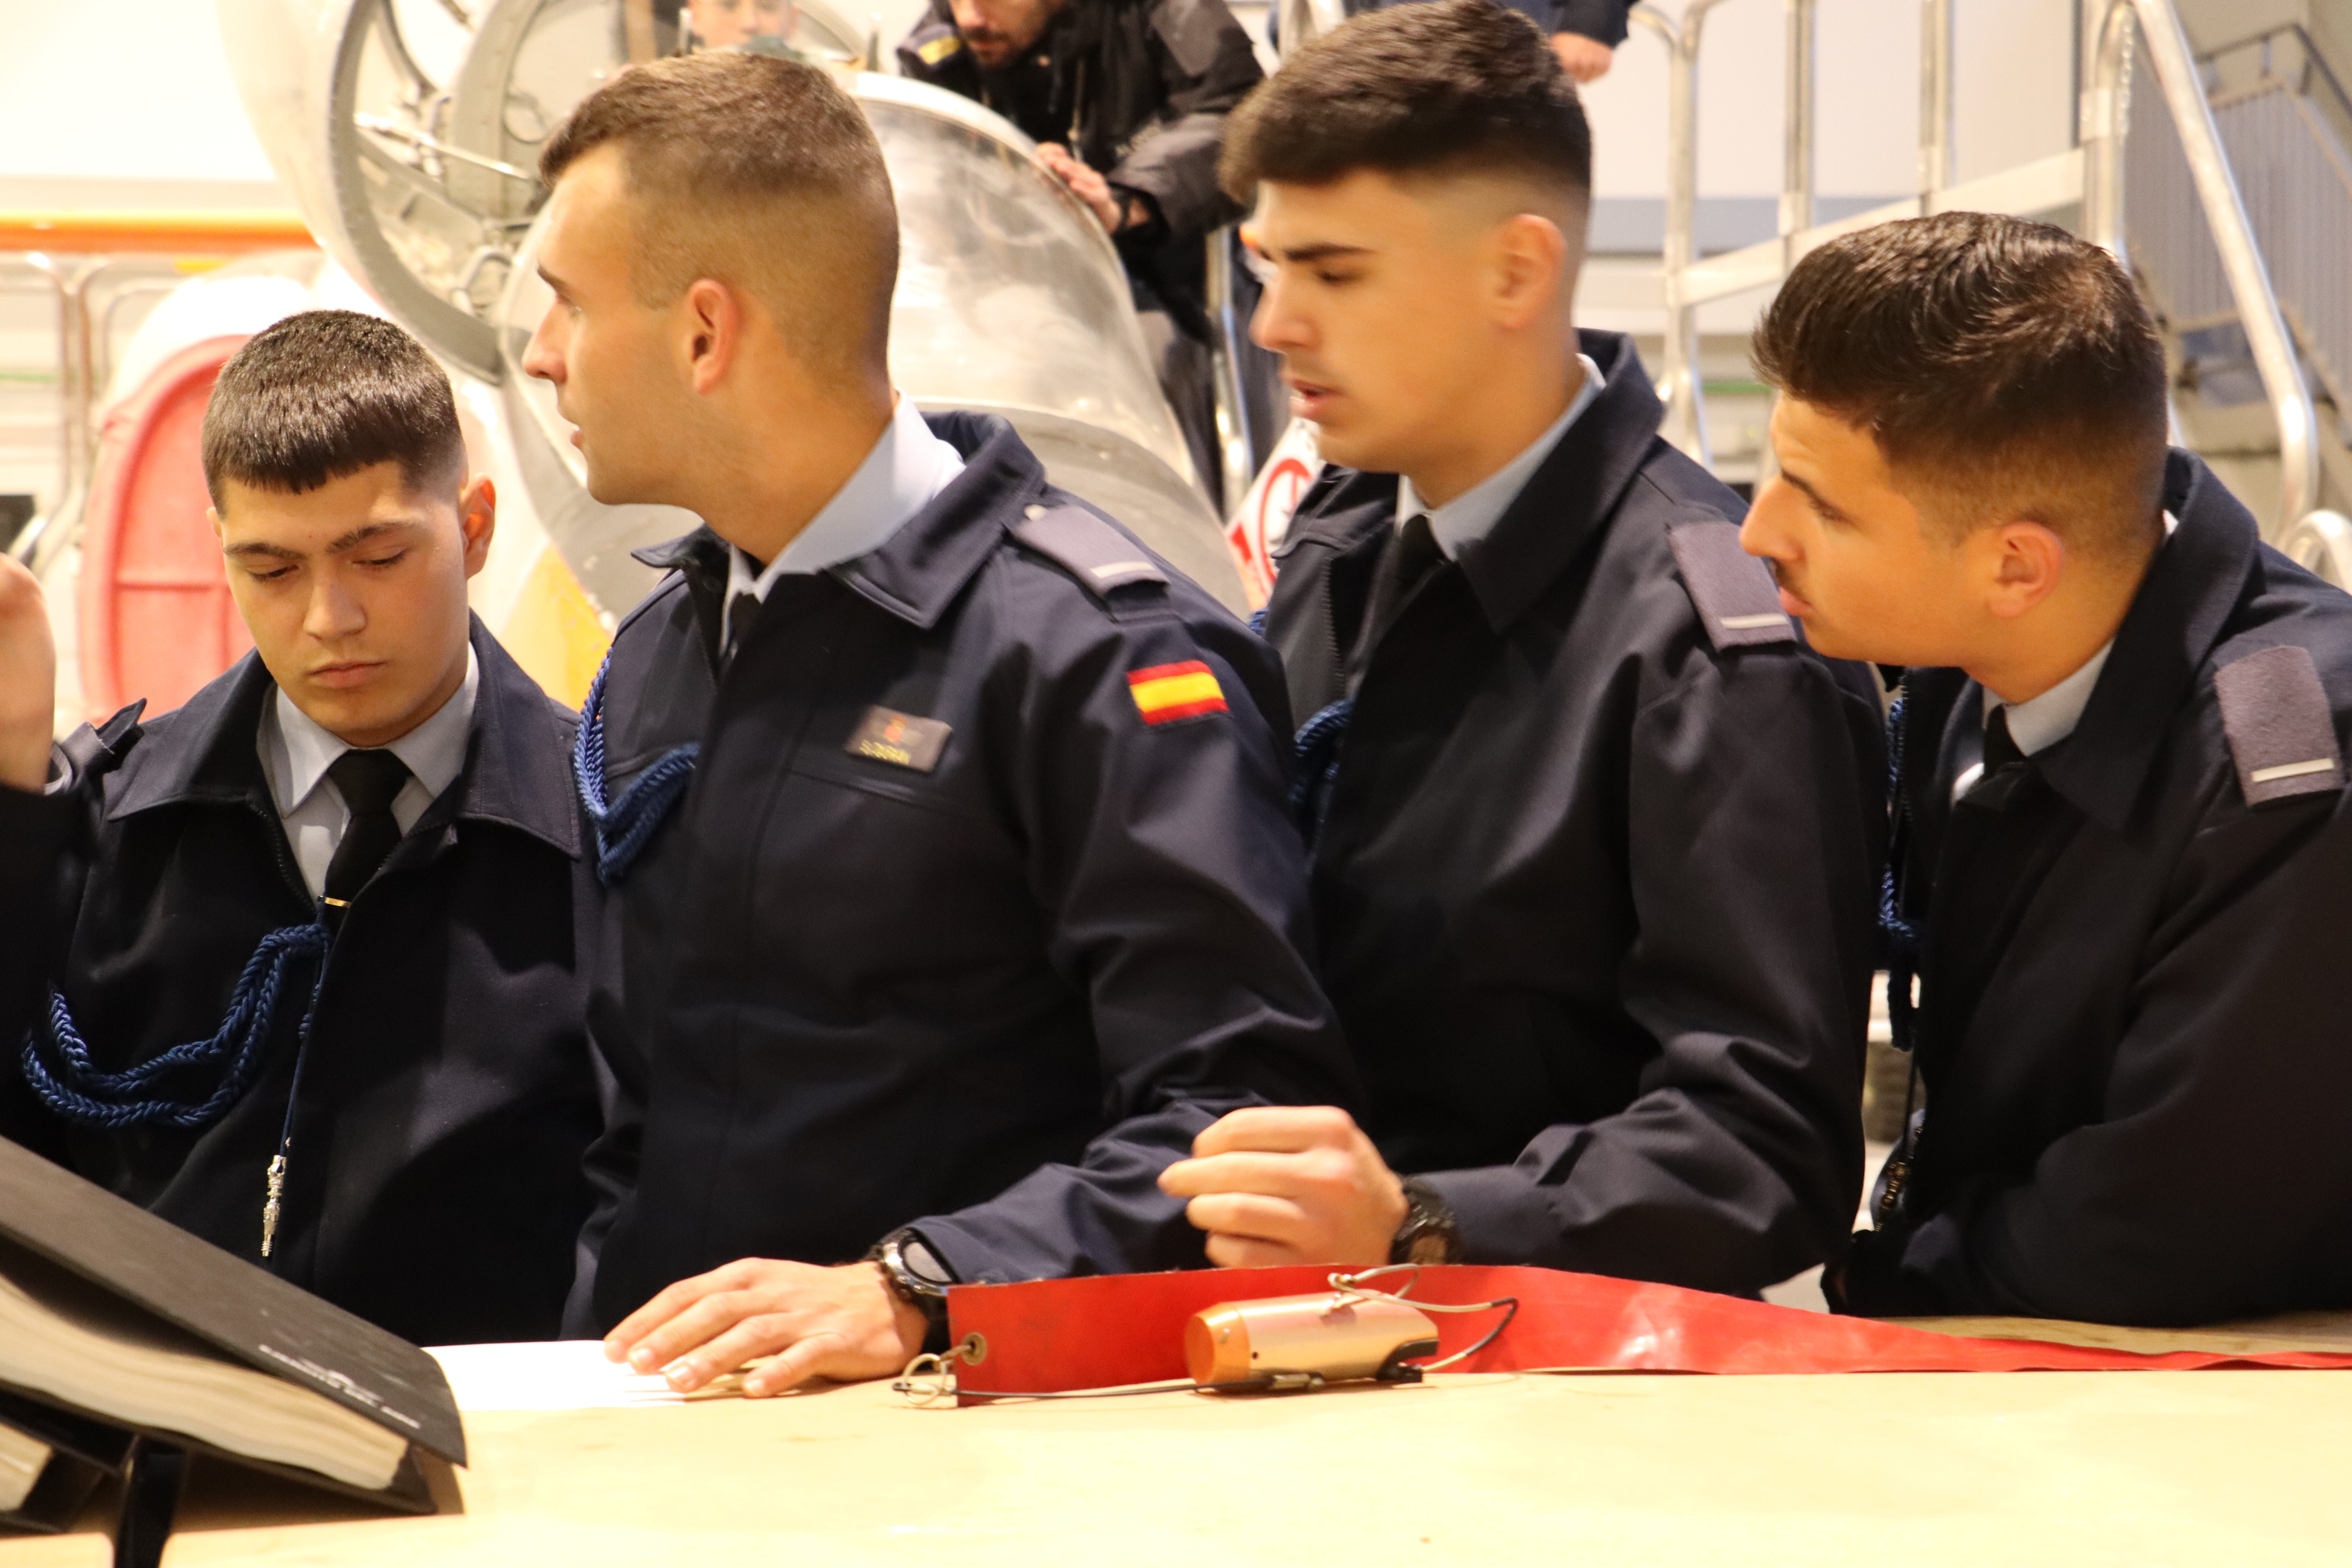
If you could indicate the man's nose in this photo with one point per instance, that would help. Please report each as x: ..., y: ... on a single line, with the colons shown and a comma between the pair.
x: 1275, y: 326
x: 1762, y: 533
x: 541, y: 358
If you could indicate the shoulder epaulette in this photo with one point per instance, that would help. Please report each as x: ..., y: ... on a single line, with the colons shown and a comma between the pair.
x: 95, y: 751
x: 939, y: 48
x: 2280, y: 731
x: 1737, y: 601
x: 1089, y: 548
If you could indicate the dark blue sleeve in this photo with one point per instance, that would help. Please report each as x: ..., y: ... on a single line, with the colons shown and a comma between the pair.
x: 1603, y: 21
x: 1177, y: 888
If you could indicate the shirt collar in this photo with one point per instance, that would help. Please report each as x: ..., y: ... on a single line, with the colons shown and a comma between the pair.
x: 296, y: 750
x: 1474, y: 514
x: 906, y: 468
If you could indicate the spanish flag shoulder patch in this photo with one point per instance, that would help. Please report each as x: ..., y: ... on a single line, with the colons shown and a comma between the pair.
x: 938, y: 49
x: 1167, y: 693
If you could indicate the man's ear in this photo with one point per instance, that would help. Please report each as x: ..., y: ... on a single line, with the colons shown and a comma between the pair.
x: 1531, y: 272
x: 712, y: 321
x: 2027, y: 561
x: 478, y: 520
x: 212, y: 515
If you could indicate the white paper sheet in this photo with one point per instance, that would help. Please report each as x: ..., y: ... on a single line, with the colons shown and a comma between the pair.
x: 556, y: 1375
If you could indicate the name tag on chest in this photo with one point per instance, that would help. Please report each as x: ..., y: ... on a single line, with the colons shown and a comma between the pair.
x: 901, y: 740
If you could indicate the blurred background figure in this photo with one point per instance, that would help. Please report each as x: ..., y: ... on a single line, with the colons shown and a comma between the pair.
x: 727, y: 24
x: 1128, y: 100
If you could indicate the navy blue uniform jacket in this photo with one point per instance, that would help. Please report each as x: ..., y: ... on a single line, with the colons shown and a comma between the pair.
x: 2134, y: 1033
x: 992, y: 999
x: 1596, y: 897
x: 448, y: 1094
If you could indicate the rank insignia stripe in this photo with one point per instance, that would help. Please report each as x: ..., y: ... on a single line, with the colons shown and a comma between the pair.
x: 900, y: 739
x: 938, y: 49
x: 1167, y: 693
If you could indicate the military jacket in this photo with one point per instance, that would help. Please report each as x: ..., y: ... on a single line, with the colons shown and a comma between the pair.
x: 1595, y: 878
x: 448, y: 1091
x: 2132, y: 1027
x: 982, y: 902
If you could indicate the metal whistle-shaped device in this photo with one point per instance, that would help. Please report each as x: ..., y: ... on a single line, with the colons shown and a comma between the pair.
x: 1288, y: 1341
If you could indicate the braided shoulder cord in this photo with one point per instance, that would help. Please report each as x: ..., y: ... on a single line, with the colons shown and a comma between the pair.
x: 1898, y: 936
x: 1319, y: 765
x: 625, y: 826
x: 77, y: 1091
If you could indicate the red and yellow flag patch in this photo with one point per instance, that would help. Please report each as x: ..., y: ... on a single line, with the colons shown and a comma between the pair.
x: 1167, y: 693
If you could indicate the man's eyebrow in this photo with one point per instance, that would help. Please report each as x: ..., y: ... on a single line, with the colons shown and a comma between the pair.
x: 366, y: 531
x: 257, y: 547
x: 1325, y: 250
x: 550, y: 279
x: 1818, y: 499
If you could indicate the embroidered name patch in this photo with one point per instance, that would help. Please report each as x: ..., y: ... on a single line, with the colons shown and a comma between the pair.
x: 1167, y: 693
x: 901, y: 740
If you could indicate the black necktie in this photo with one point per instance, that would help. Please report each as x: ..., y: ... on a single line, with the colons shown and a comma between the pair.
x: 1409, y: 558
x: 367, y: 781
x: 1999, y: 750
x: 742, y: 614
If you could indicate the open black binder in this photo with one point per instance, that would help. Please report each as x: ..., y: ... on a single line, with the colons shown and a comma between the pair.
x: 246, y: 1313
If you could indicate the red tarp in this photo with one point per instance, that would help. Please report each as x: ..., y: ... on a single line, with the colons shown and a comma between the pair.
x: 1050, y: 1335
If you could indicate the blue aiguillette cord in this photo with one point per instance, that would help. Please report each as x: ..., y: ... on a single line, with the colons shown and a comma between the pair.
x: 625, y: 826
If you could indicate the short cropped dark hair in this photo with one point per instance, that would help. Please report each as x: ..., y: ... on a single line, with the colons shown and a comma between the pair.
x: 757, y: 170
x: 323, y: 394
x: 2011, y: 366
x: 1449, y: 88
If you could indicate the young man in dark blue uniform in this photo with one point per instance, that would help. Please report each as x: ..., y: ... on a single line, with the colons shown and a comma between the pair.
x: 2123, y: 866
x: 975, y: 896
x: 1592, y: 830
x: 294, y: 966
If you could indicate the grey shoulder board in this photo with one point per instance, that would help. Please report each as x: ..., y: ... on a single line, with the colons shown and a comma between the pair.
x: 2280, y: 731
x: 1089, y: 548
x: 1736, y: 597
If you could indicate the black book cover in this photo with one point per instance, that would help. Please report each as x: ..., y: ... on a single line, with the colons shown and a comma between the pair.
x: 244, y: 1312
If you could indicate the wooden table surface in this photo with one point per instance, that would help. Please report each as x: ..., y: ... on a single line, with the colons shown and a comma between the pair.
x: 2043, y: 1469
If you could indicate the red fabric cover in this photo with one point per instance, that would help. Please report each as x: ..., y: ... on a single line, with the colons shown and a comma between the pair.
x: 1049, y: 1335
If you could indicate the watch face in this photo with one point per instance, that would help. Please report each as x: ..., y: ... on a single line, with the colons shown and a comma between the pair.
x: 1428, y: 1247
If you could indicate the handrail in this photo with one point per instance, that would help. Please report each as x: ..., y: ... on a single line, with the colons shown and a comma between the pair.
x: 2106, y: 124
x: 2107, y: 110
x: 97, y: 233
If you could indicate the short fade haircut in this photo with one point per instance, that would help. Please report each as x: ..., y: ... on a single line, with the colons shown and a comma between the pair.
x: 760, y: 173
x: 323, y: 394
x: 1451, y: 88
x: 2009, y: 365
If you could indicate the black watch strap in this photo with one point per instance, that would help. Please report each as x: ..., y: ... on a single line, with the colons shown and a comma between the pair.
x: 1429, y: 1234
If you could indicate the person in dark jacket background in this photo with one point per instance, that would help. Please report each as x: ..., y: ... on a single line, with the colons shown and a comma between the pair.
x: 2124, y: 864
x: 1593, y: 832
x: 973, y: 896
x: 295, y: 967
x: 1128, y: 100
x: 1584, y: 34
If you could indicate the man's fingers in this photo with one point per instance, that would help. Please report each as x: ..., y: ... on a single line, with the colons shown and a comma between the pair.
x: 749, y: 1338
x: 696, y: 1329
x: 674, y: 1300
x: 1277, y: 1130
x: 811, y: 1357
x: 1325, y: 1174
x: 1260, y: 1218
x: 1250, y: 1252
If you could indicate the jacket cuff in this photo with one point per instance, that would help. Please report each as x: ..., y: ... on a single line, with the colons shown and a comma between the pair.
x: 1499, y: 1214
x: 1603, y: 21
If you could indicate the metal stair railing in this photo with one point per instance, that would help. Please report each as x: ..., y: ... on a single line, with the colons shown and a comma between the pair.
x: 2090, y: 174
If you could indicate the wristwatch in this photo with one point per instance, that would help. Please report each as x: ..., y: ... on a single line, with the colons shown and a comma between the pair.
x: 1429, y: 1234
x: 918, y: 1277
